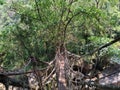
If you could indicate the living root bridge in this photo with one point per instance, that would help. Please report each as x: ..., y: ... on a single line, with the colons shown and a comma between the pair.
x: 57, y: 70
x: 7, y: 78
x: 60, y: 68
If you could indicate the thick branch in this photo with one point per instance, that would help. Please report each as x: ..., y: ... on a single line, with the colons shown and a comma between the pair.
x: 107, y: 44
x: 10, y: 73
x: 70, y: 19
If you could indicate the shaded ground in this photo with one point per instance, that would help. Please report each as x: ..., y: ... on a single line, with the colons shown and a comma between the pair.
x: 113, y: 76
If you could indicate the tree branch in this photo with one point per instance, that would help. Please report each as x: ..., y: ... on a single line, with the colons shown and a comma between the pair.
x: 70, y: 19
x: 106, y: 45
x: 38, y: 11
x: 19, y: 72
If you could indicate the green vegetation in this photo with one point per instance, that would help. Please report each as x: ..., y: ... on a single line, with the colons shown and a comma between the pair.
x: 35, y: 27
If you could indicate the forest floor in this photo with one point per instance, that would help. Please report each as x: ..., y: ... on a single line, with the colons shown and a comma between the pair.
x: 112, y: 73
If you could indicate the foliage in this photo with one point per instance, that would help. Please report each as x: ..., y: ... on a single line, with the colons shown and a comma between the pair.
x: 36, y: 27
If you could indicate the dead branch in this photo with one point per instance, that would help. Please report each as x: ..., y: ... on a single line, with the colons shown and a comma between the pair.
x: 49, y: 75
x: 21, y: 71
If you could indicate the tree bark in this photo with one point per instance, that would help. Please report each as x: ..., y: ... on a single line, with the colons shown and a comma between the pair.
x: 60, y: 68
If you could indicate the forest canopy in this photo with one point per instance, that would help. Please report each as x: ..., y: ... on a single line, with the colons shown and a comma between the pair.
x: 34, y: 28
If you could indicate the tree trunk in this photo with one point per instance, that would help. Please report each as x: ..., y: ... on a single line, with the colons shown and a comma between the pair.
x: 60, y: 68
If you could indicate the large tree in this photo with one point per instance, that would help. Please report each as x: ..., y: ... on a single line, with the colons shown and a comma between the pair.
x: 38, y: 28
